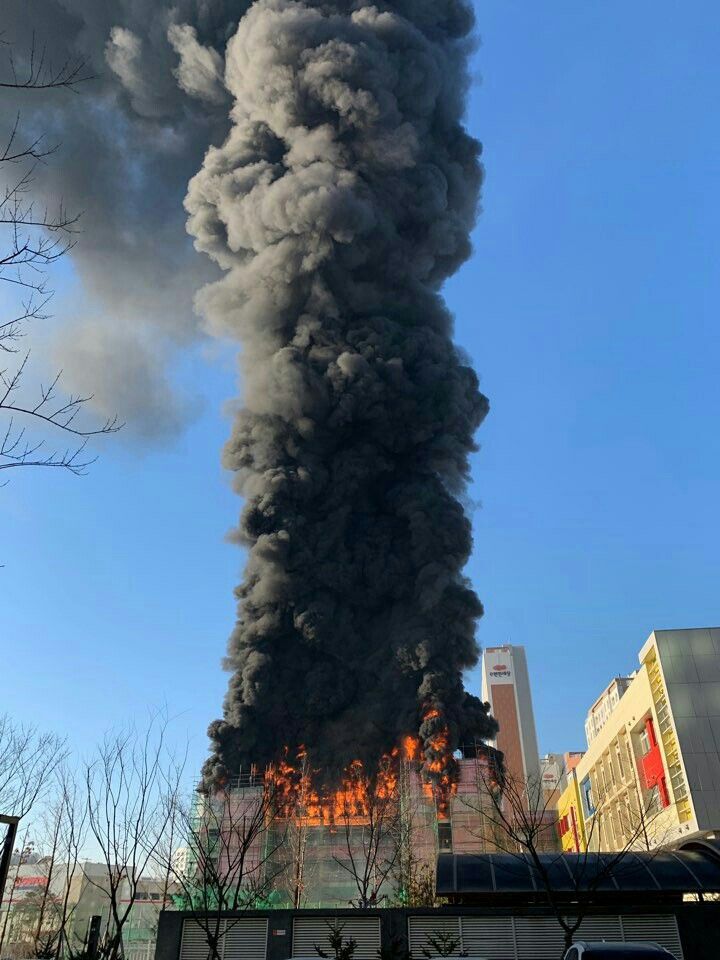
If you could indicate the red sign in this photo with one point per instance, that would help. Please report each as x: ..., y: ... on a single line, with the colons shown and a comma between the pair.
x: 31, y: 882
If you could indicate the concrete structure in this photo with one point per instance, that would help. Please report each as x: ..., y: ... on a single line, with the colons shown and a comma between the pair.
x: 651, y: 775
x: 182, y: 861
x: 325, y: 850
x: 556, y: 771
x: 506, y: 687
x: 509, y: 932
x: 313, y: 847
x: 35, y: 896
x: 600, y: 712
x: 552, y: 772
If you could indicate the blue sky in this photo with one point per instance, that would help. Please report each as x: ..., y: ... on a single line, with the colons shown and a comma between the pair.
x: 589, y: 310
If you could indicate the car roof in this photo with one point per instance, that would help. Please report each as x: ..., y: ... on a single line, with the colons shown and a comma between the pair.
x: 645, y: 948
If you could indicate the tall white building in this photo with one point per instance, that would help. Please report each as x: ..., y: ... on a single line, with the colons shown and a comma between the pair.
x: 181, y: 861
x: 506, y: 687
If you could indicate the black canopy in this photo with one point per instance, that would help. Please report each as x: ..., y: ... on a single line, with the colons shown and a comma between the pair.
x: 607, y: 876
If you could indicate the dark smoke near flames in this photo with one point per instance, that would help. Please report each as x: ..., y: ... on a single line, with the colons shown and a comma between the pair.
x: 341, y: 200
x: 337, y: 195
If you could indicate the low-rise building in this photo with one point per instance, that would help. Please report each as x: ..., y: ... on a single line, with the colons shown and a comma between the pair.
x: 570, y: 819
x: 651, y: 775
x: 42, y: 898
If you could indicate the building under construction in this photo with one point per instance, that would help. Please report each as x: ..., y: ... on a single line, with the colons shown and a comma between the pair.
x: 368, y: 842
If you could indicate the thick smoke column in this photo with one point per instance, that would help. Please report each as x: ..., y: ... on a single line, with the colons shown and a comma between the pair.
x: 340, y: 201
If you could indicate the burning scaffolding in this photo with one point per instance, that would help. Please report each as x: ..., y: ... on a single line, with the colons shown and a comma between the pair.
x: 372, y: 839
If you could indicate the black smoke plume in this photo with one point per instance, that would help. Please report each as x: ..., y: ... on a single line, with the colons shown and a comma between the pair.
x: 340, y: 201
x: 336, y: 196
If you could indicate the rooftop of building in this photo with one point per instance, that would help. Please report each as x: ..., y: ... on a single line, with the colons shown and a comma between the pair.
x: 619, y: 679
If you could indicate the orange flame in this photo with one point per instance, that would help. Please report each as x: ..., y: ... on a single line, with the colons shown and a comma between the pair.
x: 438, y: 763
x: 297, y: 797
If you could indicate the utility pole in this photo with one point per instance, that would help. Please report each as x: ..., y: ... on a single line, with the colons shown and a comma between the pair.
x: 93, y: 937
x: 7, y: 848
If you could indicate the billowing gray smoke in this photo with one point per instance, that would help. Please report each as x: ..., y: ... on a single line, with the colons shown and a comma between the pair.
x: 337, y: 197
x: 340, y: 201
x: 129, y: 141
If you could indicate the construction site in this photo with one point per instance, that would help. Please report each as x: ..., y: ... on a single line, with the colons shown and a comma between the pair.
x: 370, y: 841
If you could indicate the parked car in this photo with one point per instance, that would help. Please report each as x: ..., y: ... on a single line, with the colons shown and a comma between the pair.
x: 602, y: 950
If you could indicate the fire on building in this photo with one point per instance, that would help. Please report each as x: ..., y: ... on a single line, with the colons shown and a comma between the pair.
x: 371, y: 839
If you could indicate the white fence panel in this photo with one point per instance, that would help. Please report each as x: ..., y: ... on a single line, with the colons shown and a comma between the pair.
x: 308, y: 931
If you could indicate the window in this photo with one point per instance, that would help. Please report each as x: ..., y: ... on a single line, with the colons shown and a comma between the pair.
x: 618, y: 754
x: 445, y: 837
x: 587, y: 798
x: 644, y: 742
x: 628, y: 755
x: 612, y: 770
x: 653, y: 805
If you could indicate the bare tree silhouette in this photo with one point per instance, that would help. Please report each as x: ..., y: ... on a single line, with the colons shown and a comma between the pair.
x: 32, y: 239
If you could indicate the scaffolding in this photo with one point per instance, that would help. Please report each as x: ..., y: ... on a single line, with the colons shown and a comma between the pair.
x: 385, y: 854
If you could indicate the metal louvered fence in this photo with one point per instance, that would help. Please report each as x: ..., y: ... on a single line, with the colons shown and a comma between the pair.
x: 286, y: 934
x: 538, y: 938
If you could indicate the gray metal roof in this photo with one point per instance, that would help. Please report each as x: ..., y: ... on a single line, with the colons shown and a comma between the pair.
x: 679, y: 871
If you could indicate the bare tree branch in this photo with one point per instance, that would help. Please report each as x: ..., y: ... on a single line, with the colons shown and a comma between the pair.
x: 38, y: 72
x: 230, y: 850
x: 32, y: 239
x: 520, y: 820
x: 370, y: 814
x: 126, y: 789
x: 28, y: 760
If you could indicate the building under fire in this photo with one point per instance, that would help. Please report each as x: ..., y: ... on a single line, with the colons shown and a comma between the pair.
x: 368, y: 842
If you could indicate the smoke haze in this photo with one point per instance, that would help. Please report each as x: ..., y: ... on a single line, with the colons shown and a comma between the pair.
x: 129, y: 140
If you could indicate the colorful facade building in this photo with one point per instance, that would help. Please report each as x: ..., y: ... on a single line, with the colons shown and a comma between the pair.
x: 570, y: 819
x: 651, y: 775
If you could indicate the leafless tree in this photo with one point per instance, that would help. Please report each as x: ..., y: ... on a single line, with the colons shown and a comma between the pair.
x: 35, y: 238
x: 42, y: 920
x: 413, y: 874
x: 369, y: 818
x: 127, y: 786
x: 230, y: 844
x: 63, y: 831
x: 23, y: 854
x: 520, y: 820
x: 28, y: 760
x: 295, y: 825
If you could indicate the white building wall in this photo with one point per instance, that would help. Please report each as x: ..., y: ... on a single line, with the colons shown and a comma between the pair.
x: 513, y: 670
